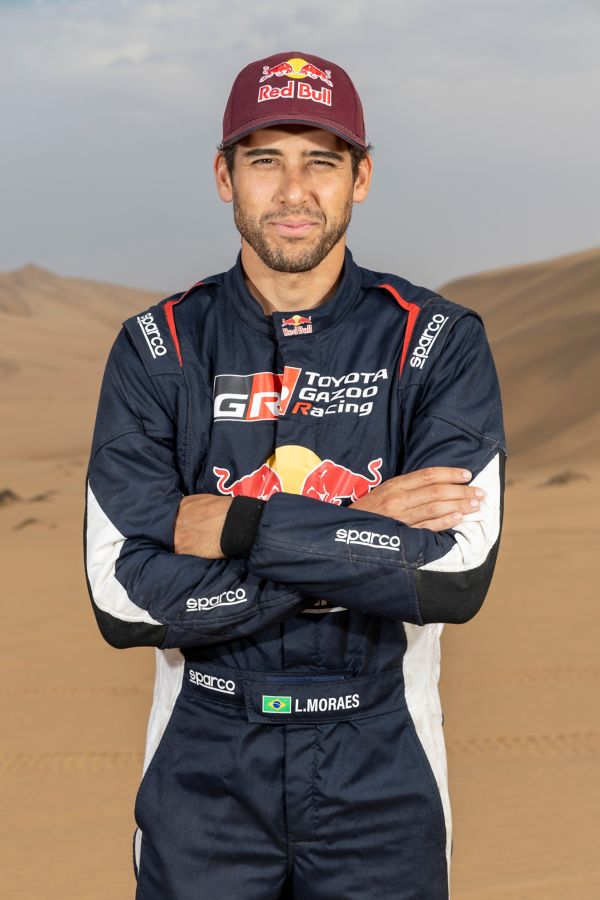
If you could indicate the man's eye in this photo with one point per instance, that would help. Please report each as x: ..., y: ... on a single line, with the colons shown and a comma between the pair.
x: 263, y: 160
x: 323, y: 162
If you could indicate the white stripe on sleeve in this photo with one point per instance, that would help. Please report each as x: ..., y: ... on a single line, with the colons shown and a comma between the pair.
x: 478, y: 531
x: 103, y: 546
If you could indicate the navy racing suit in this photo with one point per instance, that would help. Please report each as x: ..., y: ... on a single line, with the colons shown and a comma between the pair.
x: 295, y: 744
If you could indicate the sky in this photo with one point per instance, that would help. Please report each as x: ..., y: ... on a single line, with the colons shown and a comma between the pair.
x: 483, y: 115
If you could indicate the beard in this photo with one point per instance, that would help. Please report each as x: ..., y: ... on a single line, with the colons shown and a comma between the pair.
x: 298, y: 258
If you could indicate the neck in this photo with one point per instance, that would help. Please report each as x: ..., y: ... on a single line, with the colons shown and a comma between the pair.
x: 289, y: 291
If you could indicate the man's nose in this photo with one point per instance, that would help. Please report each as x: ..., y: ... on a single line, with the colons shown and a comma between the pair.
x: 293, y: 186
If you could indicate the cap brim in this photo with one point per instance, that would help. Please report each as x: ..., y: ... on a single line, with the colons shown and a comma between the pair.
x: 267, y: 122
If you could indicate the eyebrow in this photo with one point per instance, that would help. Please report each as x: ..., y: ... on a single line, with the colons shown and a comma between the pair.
x: 271, y: 151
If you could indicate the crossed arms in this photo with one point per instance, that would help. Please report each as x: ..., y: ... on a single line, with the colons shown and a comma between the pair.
x: 149, y: 549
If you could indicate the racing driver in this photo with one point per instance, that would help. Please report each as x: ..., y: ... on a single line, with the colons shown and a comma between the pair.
x: 296, y: 479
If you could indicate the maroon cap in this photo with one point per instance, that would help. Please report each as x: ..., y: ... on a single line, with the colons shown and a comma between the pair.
x: 290, y: 88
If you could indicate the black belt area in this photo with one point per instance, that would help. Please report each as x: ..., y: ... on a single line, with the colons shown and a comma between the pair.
x: 284, y: 698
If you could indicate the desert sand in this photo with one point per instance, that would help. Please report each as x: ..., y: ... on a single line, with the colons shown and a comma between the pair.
x: 519, y: 683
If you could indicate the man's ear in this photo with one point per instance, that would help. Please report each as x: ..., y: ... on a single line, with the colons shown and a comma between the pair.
x: 223, y: 178
x: 363, y: 179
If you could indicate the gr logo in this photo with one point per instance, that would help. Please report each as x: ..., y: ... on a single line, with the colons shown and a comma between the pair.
x: 254, y: 397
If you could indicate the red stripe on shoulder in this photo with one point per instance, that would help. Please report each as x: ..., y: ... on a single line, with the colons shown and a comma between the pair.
x: 170, y: 317
x: 413, y: 313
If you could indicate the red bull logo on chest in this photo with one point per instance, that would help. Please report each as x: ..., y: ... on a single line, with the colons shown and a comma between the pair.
x: 298, y: 470
x: 296, y: 324
x: 295, y: 71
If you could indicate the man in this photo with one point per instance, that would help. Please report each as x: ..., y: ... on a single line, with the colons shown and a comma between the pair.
x: 296, y: 479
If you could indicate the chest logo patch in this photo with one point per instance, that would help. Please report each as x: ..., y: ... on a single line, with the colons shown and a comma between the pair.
x: 298, y: 470
x: 267, y: 395
x: 296, y: 324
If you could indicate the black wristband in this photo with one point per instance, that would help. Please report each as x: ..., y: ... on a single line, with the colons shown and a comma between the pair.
x: 241, y: 524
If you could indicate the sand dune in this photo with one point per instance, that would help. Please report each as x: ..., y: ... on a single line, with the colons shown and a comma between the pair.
x: 61, y: 330
x: 35, y: 292
x: 519, y: 683
x: 543, y: 321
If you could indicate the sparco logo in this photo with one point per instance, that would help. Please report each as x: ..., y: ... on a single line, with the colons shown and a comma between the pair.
x: 427, y: 340
x: 212, y: 682
x: 152, y: 335
x: 227, y: 598
x: 367, y: 538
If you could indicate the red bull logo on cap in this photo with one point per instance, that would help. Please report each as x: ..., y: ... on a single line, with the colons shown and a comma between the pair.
x: 296, y: 70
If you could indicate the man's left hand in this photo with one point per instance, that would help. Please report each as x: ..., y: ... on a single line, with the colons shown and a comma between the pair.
x: 199, y: 525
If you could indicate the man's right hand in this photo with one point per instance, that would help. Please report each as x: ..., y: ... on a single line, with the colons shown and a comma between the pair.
x: 436, y: 498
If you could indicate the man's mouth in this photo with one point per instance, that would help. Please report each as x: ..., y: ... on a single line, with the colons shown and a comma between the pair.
x: 293, y: 227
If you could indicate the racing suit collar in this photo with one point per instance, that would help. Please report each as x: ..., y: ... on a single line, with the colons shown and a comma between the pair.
x: 295, y: 323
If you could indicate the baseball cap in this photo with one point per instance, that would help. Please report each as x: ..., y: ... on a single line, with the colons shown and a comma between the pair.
x: 294, y: 87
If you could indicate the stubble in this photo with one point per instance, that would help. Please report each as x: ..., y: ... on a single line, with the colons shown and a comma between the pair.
x: 299, y: 255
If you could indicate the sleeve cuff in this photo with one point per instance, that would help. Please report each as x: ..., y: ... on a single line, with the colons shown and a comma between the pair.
x: 241, y: 526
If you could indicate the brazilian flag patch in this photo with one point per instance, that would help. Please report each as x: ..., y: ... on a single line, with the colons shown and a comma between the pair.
x: 276, y: 704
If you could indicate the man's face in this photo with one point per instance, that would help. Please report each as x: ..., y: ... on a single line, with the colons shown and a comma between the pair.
x: 292, y: 190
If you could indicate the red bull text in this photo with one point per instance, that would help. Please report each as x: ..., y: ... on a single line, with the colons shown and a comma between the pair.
x: 302, y: 92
